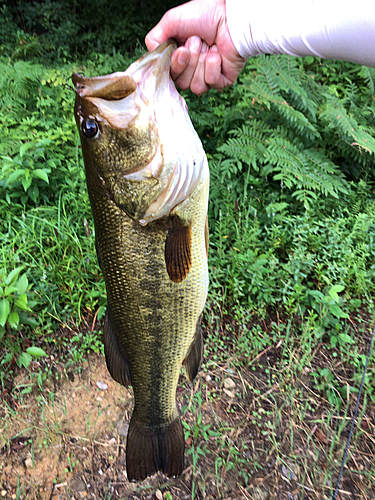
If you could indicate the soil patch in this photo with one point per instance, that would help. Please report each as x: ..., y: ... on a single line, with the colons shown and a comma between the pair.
x: 251, y: 432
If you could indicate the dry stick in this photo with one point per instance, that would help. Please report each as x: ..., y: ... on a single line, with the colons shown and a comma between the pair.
x: 354, y: 417
x: 94, y: 320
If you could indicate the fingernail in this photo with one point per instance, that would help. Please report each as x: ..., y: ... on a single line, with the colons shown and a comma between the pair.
x: 214, y: 48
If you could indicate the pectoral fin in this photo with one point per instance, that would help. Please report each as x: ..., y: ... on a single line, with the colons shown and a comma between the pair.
x: 178, y: 251
x: 193, y: 360
x: 117, y: 363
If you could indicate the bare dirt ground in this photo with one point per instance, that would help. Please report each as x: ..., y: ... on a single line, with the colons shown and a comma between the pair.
x: 251, y: 433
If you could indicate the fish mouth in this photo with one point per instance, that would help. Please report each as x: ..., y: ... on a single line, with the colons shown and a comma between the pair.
x: 150, y: 69
x: 144, y: 98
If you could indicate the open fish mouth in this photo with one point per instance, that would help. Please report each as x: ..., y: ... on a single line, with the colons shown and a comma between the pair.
x: 144, y: 97
x: 152, y: 66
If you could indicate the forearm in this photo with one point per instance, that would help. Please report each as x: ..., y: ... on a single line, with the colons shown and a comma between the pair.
x: 322, y: 28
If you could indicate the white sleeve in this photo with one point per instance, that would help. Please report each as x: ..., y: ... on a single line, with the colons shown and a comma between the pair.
x: 332, y: 29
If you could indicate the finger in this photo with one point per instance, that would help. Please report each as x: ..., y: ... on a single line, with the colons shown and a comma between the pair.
x: 194, y: 46
x: 179, y: 23
x: 198, y: 84
x: 180, y: 60
x: 192, y: 18
x: 213, y: 76
x: 155, y: 37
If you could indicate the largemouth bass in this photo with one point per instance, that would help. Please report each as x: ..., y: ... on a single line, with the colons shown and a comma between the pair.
x: 148, y: 181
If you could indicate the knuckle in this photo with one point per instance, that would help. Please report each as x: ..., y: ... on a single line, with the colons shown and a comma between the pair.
x: 182, y: 83
x: 199, y: 87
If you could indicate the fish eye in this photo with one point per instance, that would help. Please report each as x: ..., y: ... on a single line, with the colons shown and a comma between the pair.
x: 90, y: 128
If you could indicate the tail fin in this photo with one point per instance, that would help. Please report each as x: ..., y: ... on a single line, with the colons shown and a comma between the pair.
x: 150, y: 450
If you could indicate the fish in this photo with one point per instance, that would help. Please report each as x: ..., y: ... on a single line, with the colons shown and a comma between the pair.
x: 148, y: 184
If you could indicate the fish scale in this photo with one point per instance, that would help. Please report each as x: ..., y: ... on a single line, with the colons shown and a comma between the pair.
x: 151, y: 243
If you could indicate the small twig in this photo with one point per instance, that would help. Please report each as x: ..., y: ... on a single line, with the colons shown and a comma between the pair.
x: 261, y: 353
x: 313, y: 430
x: 245, y: 492
x: 305, y: 487
x: 94, y: 320
x: 60, y: 485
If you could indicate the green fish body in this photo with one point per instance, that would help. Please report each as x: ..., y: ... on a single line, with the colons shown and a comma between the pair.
x: 148, y: 182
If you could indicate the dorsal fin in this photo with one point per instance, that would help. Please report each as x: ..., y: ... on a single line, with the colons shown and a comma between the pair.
x: 178, y: 250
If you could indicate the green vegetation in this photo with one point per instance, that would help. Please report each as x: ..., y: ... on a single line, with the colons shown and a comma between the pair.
x: 292, y: 250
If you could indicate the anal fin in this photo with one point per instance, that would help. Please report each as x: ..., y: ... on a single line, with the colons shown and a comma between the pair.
x: 117, y: 363
x: 178, y: 251
x: 193, y: 359
x: 149, y: 450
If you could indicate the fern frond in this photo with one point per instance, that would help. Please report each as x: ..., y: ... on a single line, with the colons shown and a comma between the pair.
x: 346, y: 128
x: 19, y: 83
x: 260, y: 146
x: 369, y: 76
x: 308, y: 168
x: 248, y: 144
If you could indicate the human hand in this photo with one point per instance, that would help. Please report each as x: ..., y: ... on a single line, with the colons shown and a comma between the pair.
x: 206, y: 57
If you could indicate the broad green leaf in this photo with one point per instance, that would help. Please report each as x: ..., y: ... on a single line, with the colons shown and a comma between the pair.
x: 4, y: 311
x: 9, y: 290
x: 21, y: 302
x: 101, y: 312
x: 8, y: 358
x: 36, y: 351
x: 24, y: 360
x: 13, y: 275
x: 6, y: 158
x: 25, y: 146
x: 26, y: 182
x: 22, y: 284
x: 345, y: 338
x: 316, y: 293
x: 334, y: 290
x: 13, y: 319
x: 14, y: 175
x: 33, y: 192
x: 41, y: 174
x: 337, y: 311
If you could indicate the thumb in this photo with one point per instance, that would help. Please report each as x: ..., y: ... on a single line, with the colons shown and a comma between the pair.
x: 167, y: 27
x: 155, y: 37
x: 182, y: 22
